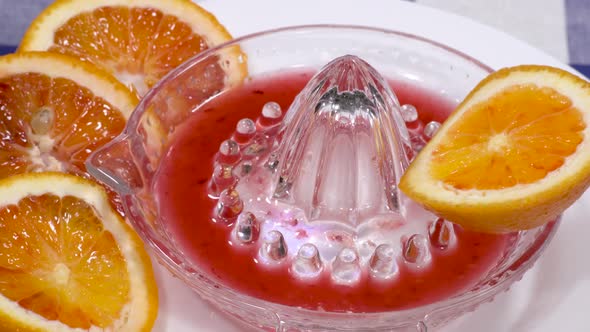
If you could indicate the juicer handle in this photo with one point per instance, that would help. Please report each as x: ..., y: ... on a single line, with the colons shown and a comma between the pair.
x: 115, y: 165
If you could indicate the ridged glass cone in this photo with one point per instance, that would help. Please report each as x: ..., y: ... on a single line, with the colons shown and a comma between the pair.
x: 344, y: 146
x: 324, y: 177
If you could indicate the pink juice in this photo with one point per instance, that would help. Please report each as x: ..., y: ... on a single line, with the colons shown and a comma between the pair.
x: 181, y: 189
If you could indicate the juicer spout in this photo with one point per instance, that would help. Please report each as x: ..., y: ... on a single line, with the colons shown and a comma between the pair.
x: 114, y: 166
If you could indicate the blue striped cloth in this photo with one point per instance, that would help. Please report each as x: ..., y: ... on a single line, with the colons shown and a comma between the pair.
x: 559, y: 27
x: 578, y: 34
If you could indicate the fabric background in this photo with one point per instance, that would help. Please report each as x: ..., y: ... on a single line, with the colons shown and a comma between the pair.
x: 561, y: 28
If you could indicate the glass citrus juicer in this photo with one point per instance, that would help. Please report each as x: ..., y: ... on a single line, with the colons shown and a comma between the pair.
x: 290, y: 216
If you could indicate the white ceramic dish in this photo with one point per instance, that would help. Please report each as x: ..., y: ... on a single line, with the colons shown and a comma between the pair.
x: 551, y: 296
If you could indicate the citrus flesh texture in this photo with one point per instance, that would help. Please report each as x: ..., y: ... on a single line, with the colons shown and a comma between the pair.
x: 56, y: 110
x: 68, y: 260
x: 512, y: 156
x: 507, y: 147
x: 137, y: 42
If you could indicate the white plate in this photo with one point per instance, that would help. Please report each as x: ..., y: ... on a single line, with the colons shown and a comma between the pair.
x: 552, y: 296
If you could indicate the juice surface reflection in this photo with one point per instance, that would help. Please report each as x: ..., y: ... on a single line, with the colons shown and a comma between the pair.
x: 185, y: 208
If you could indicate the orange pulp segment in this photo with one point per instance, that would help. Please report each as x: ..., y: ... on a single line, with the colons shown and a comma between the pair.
x: 512, y: 156
x: 138, y: 42
x: 68, y: 260
x: 56, y: 110
x: 507, y: 146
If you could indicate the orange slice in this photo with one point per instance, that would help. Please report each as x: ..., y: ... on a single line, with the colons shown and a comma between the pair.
x: 68, y: 262
x: 514, y: 154
x: 55, y: 110
x: 138, y: 41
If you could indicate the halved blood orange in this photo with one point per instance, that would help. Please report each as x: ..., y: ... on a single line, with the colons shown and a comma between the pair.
x: 55, y: 110
x: 68, y: 261
x: 514, y: 154
x: 138, y: 41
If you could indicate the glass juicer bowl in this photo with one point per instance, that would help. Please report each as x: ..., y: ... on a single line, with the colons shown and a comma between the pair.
x: 130, y: 163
